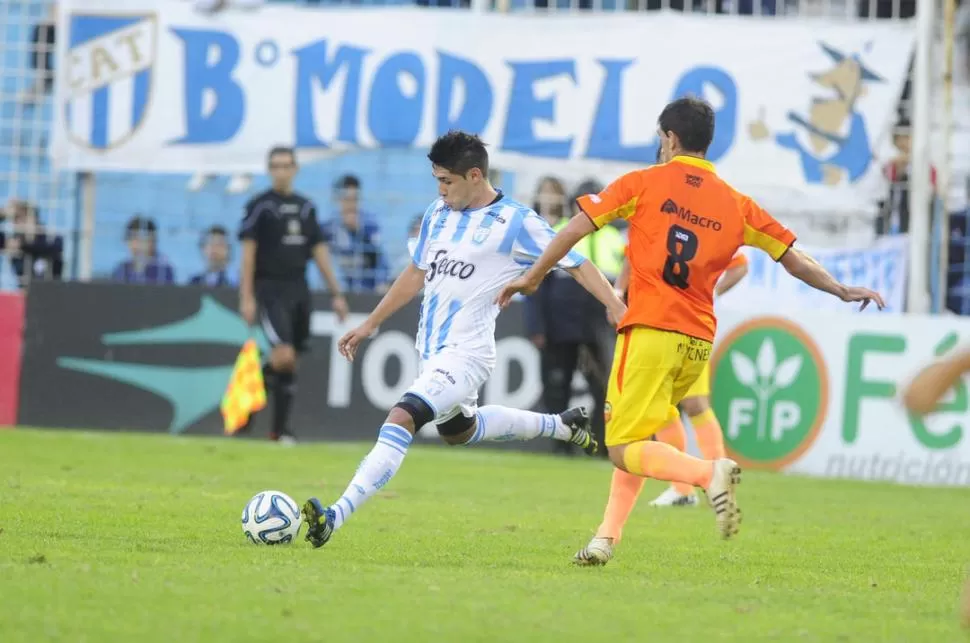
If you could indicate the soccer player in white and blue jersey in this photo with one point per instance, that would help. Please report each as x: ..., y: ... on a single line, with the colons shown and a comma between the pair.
x: 473, y: 241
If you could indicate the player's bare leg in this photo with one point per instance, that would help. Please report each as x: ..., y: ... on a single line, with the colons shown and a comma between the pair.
x: 707, y: 429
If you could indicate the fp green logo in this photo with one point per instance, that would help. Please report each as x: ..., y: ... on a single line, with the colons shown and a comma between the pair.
x: 770, y: 392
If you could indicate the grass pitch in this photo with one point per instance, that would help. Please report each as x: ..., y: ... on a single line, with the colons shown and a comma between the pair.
x: 136, y: 538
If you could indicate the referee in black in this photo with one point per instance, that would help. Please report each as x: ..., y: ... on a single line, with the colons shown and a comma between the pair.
x: 279, y: 234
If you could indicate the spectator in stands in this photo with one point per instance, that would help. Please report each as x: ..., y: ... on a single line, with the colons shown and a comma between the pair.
x: 42, y: 56
x: 33, y: 252
x: 550, y: 200
x: 886, y: 9
x: 144, y: 265
x: 216, y: 250
x: 746, y: 7
x: 414, y: 229
x: 579, y: 4
x: 894, y: 211
x: 734, y: 7
x: 565, y: 322
x: 354, y: 239
x: 607, y: 245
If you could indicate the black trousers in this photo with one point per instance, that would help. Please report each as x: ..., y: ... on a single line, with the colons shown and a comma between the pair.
x: 559, y: 363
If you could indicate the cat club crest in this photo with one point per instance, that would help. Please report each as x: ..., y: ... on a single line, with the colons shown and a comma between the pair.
x: 106, y: 90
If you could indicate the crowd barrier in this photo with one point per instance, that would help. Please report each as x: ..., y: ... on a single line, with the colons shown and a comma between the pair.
x: 811, y: 393
x: 142, y: 358
x: 818, y: 394
x: 11, y: 338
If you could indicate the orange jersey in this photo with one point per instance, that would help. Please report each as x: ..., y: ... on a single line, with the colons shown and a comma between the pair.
x: 686, y: 225
x: 738, y: 260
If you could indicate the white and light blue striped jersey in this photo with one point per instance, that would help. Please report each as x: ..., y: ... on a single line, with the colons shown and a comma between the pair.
x: 469, y: 256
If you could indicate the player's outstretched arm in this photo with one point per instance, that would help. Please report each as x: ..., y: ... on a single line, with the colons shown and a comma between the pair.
x: 804, y: 268
x: 931, y: 384
x: 592, y: 279
x: 731, y: 278
x: 408, y: 284
x: 405, y: 287
x: 577, y: 228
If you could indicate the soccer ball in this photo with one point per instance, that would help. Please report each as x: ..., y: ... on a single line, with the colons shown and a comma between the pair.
x: 271, y: 518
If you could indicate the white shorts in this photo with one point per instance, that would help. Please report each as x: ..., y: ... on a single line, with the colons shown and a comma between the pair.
x: 449, y: 382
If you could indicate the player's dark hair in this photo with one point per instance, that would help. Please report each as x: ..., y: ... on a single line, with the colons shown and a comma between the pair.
x: 459, y: 152
x: 346, y: 181
x: 281, y: 149
x: 692, y: 120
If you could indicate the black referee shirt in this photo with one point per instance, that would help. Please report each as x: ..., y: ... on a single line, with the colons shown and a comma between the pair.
x: 285, y: 229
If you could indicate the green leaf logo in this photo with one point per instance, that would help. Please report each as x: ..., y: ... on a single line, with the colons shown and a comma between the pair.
x: 769, y: 391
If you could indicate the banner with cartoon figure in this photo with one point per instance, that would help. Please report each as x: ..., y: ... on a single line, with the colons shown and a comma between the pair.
x: 802, y: 108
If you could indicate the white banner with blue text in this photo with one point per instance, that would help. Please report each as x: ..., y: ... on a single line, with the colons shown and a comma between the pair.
x: 804, y: 109
x: 880, y: 266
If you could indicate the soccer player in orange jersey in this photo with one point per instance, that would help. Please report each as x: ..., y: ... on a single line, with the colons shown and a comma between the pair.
x: 686, y: 224
x: 697, y: 401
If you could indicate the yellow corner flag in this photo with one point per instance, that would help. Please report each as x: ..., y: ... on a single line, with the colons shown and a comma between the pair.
x: 246, y: 393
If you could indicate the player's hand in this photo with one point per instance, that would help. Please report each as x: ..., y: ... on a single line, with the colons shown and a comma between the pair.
x: 857, y: 293
x: 247, y: 308
x: 340, y: 307
x: 348, y: 344
x: 615, y: 313
x: 522, y: 285
x: 539, y: 341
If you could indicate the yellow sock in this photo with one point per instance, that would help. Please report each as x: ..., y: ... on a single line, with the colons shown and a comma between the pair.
x: 624, y: 490
x: 663, y: 462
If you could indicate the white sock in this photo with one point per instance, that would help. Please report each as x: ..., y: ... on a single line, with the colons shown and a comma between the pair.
x: 375, y: 470
x: 502, y: 424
